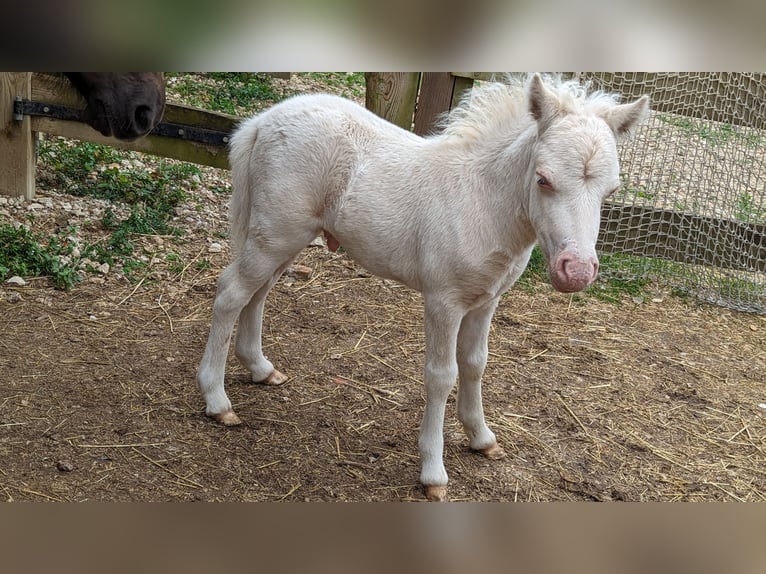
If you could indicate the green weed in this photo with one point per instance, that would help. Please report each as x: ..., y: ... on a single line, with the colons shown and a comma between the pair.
x: 26, y: 253
x: 747, y: 210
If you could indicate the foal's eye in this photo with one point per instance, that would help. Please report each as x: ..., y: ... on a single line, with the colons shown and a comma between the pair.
x: 543, y: 182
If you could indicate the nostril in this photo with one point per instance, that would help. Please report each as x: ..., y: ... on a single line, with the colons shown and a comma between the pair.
x: 143, y: 118
x: 564, y: 262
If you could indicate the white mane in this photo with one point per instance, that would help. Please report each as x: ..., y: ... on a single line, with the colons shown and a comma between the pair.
x: 500, y: 104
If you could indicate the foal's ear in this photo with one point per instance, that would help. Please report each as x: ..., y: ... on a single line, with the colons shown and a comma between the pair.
x: 625, y: 117
x: 543, y: 104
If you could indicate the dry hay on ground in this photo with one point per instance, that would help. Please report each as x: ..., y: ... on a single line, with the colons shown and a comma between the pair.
x: 592, y: 401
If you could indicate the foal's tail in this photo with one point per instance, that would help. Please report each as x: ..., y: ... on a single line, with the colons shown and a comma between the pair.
x: 241, y: 147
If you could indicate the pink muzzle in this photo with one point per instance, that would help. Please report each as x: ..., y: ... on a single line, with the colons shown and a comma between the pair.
x: 570, y: 273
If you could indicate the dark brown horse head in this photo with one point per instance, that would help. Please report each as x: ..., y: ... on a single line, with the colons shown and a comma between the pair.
x: 125, y: 105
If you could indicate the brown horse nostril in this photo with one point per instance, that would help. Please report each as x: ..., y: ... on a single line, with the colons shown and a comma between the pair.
x: 143, y: 119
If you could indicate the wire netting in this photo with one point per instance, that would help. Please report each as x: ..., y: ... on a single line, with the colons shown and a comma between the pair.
x: 691, y: 211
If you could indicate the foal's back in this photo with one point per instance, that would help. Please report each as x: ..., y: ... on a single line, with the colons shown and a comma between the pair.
x: 324, y: 121
x: 324, y: 163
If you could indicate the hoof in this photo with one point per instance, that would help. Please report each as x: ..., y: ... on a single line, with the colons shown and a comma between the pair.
x: 435, y: 493
x: 227, y: 418
x: 275, y: 378
x: 494, y: 452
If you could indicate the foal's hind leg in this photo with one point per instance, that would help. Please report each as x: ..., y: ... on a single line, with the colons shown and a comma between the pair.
x: 472, y: 360
x: 248, y: 346
x: 249, y: 277
x: 235, y: 288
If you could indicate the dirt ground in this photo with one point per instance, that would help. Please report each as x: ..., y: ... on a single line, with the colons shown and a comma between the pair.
x: 592, y: 401
x: 659, y: 400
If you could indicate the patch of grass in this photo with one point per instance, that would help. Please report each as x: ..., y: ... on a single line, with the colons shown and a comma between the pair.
x: 621, y: 276
x: 747, y: 210
x: 640, y: 192
x: 236, y: 93
x: 352, y: 84
x: 716, y: 133
x: 100, y: 171
x: 535, y: 273
x: 119, y: 247
x: 26, y: 253
x: 613, y: 289
x: 94, y: 170
x: 202, y: 265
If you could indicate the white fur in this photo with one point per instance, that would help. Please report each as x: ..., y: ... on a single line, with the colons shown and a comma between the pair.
x: 454, y: 216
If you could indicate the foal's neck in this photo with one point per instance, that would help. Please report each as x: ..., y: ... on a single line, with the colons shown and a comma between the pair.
x: 502, y: 166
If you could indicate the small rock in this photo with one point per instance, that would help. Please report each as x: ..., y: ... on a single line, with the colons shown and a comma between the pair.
x: 300, y: 272
x: 16, y: 281
x: 215, y: 247
x: 13, y: 297
x: 65, y: 466
x: 103, y: 268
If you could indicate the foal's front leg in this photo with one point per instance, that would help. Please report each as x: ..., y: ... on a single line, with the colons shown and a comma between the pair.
x: 472, y: 359
x: 441, y: 328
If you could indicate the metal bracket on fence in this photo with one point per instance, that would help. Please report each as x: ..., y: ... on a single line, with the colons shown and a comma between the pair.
x: 206, y: 136
x: 191, y: 133
x: 23, y: 108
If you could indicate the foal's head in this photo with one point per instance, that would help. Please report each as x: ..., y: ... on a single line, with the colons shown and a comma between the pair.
x: 575, y: 168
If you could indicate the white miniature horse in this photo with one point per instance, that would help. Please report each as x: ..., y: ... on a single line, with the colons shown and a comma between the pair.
x: 454, y: 216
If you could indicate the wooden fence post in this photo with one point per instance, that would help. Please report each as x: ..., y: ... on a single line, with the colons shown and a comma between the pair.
x: 392, y: 95
x: 439, y: 93
x: 17, y: 150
